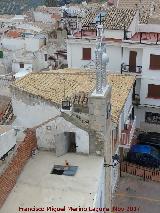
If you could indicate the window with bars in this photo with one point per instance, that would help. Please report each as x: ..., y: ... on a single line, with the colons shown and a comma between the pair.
x: 153, y: 91
x: 153, y: 118
x: 86, y: 53
x: 154, y: 62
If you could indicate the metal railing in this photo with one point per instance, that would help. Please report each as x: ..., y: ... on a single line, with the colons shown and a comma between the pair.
x: 131, y: 69
x: 126, y: 137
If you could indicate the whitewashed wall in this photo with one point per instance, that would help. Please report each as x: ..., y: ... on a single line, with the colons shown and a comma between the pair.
x: 149, y: 28
x: 133, y: 28
x: 128, y: 105
x: 13, y: 44
x: 115, y: 177
x: 7, y: 141
x: 42, y: 17
x: 138, y: 86
x: 39, y: 62
x: 114, y: 54
x: 126, y: 53
x: 144, y: 100
x: 30, y: 44
x: 16, y: 67
x: 116, y: 34
x: 146, y: 72
x: 46, y: 140
x: 140, y: 119
x: 33, y: 112
x: 99, y: 200
x: 120, y: 125
x: 74, y: 53
x: 125, y: 112
x: 29, y: 27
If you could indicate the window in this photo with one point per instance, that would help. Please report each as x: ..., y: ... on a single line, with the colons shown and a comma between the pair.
x: 45, y: 41
x: 21, y: 65
x: 48, y: 127
x: 154, y: 62
x: 153, y: 91
x: 86, y: 54
x: 45, y: 57
x: 1, y: 54
x: 153, y: 118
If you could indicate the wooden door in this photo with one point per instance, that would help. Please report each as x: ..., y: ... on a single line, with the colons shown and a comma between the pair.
x: 61, y: 144
x: 132, y: 61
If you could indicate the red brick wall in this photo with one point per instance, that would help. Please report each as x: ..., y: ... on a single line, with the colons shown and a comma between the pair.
x: 145, y: 173
x: 10, y: 175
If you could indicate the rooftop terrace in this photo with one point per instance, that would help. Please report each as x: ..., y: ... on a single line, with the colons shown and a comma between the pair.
x: 37, y: 187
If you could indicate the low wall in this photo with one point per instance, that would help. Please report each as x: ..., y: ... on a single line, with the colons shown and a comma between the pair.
x: 148, y: 174
x: 9, y: 176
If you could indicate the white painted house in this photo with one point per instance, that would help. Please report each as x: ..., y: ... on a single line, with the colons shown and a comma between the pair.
x: 132, y: 48
x: 47, y: 14
x: 16, y: 40
x: 84, y: 42
x: 39, y: 106
x: 145, y: 54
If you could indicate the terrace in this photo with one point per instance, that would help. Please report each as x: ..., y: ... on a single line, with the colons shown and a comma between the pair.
x: 37, y: 186
x: 146, y: 37
x: 131, y: 68
x: 146, y: 34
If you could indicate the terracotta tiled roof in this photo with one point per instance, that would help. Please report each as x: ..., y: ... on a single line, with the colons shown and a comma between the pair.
x: 89, y: 18
x: 128, y: 3
x: 116, y: 19
x: 144, y: 6
x: 14, y: 33
x: 51, y: 86
x: 134, y: 3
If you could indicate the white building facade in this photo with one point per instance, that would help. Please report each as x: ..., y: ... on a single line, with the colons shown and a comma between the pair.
x: 134, y: 51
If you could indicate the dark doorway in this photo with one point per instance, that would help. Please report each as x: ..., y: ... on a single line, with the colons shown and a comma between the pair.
x: 132, y: 61
x: 72, y: 141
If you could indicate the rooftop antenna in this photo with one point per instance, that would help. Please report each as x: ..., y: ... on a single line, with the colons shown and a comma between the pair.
x: 102, y: 60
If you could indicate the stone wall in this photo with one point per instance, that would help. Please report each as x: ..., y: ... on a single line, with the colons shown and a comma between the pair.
x: 10, y: 174
x: 100, y: 134
x: 100, y: 122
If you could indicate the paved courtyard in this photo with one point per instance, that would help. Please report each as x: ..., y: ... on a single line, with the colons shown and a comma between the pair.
x: 135, y: 195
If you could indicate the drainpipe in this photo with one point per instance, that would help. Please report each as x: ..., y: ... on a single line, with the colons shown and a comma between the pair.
x: 140, y: 37
x: 157, y: 38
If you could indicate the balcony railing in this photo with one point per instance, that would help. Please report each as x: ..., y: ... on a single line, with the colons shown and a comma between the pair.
x: 131, y: 68
x: 127, y: 134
